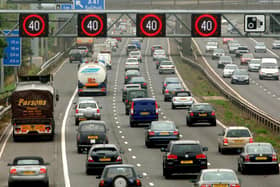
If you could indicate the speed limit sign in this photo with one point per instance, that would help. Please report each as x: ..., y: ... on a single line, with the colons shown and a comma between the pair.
x: 206, y: 25
x: 92, y: 25
x: 150, y: 25
x: 33, y: 25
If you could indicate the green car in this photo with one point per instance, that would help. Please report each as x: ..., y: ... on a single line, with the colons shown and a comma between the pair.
x: 161, y: 60
x: 128, y: 87
x: 134, y: 93
x: 129, y: 74
x: 138, y: 80
x: 75, y: 56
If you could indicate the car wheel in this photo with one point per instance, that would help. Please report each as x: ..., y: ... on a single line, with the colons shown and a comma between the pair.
x: 166, y: 173
x: 243, y: 169
x: 189, y: 123
x: 277, y: 78
x: 46, y: 184
x: 173, y: 106
x: 79, y: 150
x: 219, y: 149
x: 16, y: 138
x: 126, y: 112
x: 238, y: 167
x: 260, y: 77
x: 76, y: 122
x: 88, y: 171
x: 276, y: 170
x: 214, y: 123
x: 222, y: 151
x: 165, y: 99
x: 132, y: 124
x: 148, y: 144
x: 11, y: 184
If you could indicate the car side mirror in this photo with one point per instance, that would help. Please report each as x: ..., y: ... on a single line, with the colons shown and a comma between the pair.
x: 9, y: 164
x: 220, y: 134
x: 204, y: 148
x: 47, y: 164
x: 193, y: 180
x: 140, y: 176
x: 57, y: 97
x: 163, y: 149
x: 98, y: 177
x: 100, y: 106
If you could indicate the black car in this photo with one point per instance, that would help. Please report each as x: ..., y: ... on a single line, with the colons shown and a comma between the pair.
x: 101, y: 155
x: 129, y: 74
x: 201, y: 112
x: 169, y: 80
x: 161, y: 133
x: 171, y: 89
x: 240, y: 76
x: 184, y: 156
x: 134, y: 93
x: 127, y: 87
x: 119, y: 175
x: 138, y: 80
x: 258, y: 156
x: 91, y: 132
x: 161, y: 60
x: 75, y: 55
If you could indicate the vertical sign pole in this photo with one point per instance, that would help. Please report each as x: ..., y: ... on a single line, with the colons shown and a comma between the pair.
x: 2, y: 76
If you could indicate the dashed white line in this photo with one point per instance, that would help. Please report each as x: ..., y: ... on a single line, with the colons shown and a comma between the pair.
x: 133, y: 157
x: 151, y: 184
x: 122, y: 137
x: 118, y: 127
x: 144, y: 174
x: 120, y: 132
x: 129, y: 149
x: 138, y: 165
x: 117, y: 122
x: 116, y: 118
x: 125, y: 142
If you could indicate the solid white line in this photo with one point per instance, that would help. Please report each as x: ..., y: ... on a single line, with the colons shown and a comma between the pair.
x: 60, y: 67
x: 5, y: 142
x: 4, y: 132
x: 274, y: 54
x: 63, y: 142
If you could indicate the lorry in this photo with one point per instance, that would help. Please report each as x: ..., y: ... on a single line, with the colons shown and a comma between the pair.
x: 85, y: 41
x: 32, y: 104
x: 92, y: 79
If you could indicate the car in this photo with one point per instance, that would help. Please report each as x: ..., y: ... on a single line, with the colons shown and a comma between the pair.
x: 75, y: 55
x: 241, y: 50
x: 131, y: 47
x: 269, y: 69
x: 101, y: 155
x: 226, y: 40
x: 136, y: 54
x: 119, y: 39
x: 169, y: 80
x: 182, y: 99
x: 131, y: 67
x: 229, y: 69
x: 217, y: 177
x: 143, y: 110
x: 254, y: 64
x: 161, y: 133
x: 245, y: 57
x: 210, y: 46
x: 240, y: 76
x: 119, y: 175
x: 87, y: 109
x: 201, y: 112
x: 166, y: 67
x: 127, y: 87
x: 217, y: 53
x: 131, y: 94
x: 260, y: 47
x: 138, y: 80
x: 129, y: 74
x: 131, y: 61
x: 170, y: 91
x: 223, y: 61
x: 233, y: 46
x: 276, y: 44
x: 161, y: 59
x: 136, y: 42
x: 258, y: 156
x: 28, y: 169
x: 234, y: 138
x: 84, y: 50
x: 91, y: 132
x: 184, y: 156
x: 158, y: 53
x: 106, y: 58
x: 155, y: 47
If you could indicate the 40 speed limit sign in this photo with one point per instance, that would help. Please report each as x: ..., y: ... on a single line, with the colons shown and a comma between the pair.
x: 150, y: 25
x: 92, y: 25
x: 206, y: 25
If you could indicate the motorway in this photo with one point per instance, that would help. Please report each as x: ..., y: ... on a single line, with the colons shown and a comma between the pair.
x: 131, y: 140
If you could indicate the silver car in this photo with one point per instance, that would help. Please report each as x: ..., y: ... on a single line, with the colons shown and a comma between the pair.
x: 218, y: 53
x: 210, y: 46
x: 136, y: 54
x: 276, y: 44
x: 224, y: 60
x: 28, y: 169
x: 232, y: 46
x: 166, y: 67
x: 87, y: 110
x: 254, y: 64
x: 229, y: 69
x: 158, y: 53
x: 260, y: 47
x: 217, y: 177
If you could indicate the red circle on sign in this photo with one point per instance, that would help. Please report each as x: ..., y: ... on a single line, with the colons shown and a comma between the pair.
x: 38, y: 17
x: 206, y: 16
x: 100, y: 21
x: 143, y: 30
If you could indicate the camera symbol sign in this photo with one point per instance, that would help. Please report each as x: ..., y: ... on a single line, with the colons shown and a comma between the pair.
x: 254, y: 23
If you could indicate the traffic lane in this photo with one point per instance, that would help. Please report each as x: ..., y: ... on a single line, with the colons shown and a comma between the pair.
x: 254, y: 92
x: 49, y: 150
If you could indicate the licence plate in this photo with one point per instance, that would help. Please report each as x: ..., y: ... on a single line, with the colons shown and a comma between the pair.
x: 220, y: 185
x: 202, y: 115
x: 33, y: 127
x: 92, y: 137
x: 238, y: 141
x: 145, y: 113
x: 92, y: 141
x: 28, y: 172
x: 183, y: 99
x: 82, y: 119
x: 261, y: 158
x: 164, y: 133
x: 186, y: 162
x: 105, y: 159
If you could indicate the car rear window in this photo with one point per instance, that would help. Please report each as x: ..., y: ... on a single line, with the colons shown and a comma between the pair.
x: 144, y: 103
x: 131, y: 47
x: 28, y: 162
x: 182, y: 149
x: 183, y: 94
x: 86, y: 105
x: 137, y: 94
x: 92, y: 127
x: 256, y: 149
x: 104, y: 150
x: 202, y: 107
x: 138, y: 79
x: 162, y: 126
x: 166, y: 63
x: 238, y: 133
x: 171, y: 86
x: 125, y: 171
x: 218, y: 176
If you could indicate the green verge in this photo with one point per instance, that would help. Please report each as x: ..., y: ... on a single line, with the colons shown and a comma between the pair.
x: 228, y: 113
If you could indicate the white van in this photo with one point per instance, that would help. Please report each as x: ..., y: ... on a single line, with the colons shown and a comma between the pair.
x: 269, y: 69
x: 106, y: 57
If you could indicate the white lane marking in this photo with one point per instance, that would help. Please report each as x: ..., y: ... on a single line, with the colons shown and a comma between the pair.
x: 116, y: 118
x: 5, y: 142
x: 117, y: 122
x: 151, y: 184
x: 4, y: 132
x: 144, y: 174
x: 164, y: 117
x: 125, y: 142
x: 268, y: 93
x: 58, y: 69
x: 122, y: 137
x: 118, y: 127
x: 120, y: 132
x: 138, y: 165
x: 181, y: 136
x: 208, y: 163
x: 129, y: 149
x: 63, y: 142
x: 133, y: 157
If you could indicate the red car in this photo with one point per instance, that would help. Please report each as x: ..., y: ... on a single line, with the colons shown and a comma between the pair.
x: 245, y: 58
x: 119, y: 39
x: 225, y: 40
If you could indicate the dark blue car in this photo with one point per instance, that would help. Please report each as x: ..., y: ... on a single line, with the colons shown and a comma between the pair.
x: 143, y: 110
x: 137, y: 43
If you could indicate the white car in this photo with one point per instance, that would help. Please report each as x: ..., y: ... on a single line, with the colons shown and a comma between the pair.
x: 136, y: 54
x: 166, y: 67
x: 217, y: 53
x: 269, y: 69
x: 159, y: 53
x: 132, y: 61
x: 106, y: 58
x: 210, y: 46
x: 260, y: 47
x: 254, y: 64
x: 182, y: 99
x: 276, y: 44
x: 229, y: 69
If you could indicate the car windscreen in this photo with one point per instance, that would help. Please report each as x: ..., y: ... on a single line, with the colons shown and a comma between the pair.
x: 269, y: 66
x: 247, y: 56
x: 238, y: 133
x: 135, y: 53
x: 225, y: 58
x: 75, y: 51
x: 162, y: 126
x: 202, y: 107
x: 255, y: 61
x: 218, y: 176
x: 159, y: 52
x: 137, y: 94
x: 92, y: 127
x: 182, y: 149
x: 28, y: 162
x: 132, y: 72
x: 87, y: 105
x: 183, y: 94
x: 219, y: 51
x: 259, y: 148
x: 104, y: 150
x: 242, y: 48
x: 241, y: 73
x: 124, y: 171
x: 166, y: 63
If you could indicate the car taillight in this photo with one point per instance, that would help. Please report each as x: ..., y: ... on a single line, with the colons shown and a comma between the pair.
x: 86, y: 62
x: 166, y: 91
x: 102, y: 183
x: 77, y: 111
x: 126, y: 77
x: 138, y: 182
x: 78, y: 137
x: 191, y: 114
x: 247, y: 158
x: 98, y: 110
x: 86, y: 51
x: 172, y: 157
x: 156, y: 108
x: 213, y: 113
x: 90, y: 159
x: 225, y: 141
x: 145, y: 84
x: 80, y: 90
x: 43, y: 170
x: 274, y: 158
x: 176, y: 133
x: 234, y: 185
x: 126, y: 100
x: 119, y: 159
x: 151, y: 133
x: 200, y: 156
x: 205, y: 185
x: 132, y: 108
x: 13, y: 171
x: 251, y: 140
x: 165, y: 84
